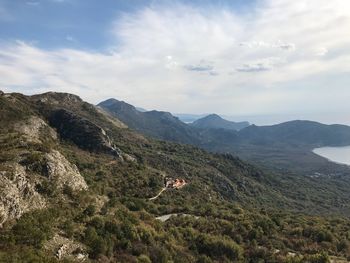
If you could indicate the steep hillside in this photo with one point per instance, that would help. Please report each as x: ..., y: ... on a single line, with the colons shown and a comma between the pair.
x: 77, y: 185
x: 158, y: 124
x: 214, y: 121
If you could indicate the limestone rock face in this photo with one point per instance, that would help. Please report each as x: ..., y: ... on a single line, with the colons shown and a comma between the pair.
x: 64, y: 248
x: 34, y: 128
x: 62, y: 172
x: 18, y: 194
x: 55, y: 98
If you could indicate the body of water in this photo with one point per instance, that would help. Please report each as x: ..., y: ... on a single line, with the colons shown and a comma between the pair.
x: 335, y: 154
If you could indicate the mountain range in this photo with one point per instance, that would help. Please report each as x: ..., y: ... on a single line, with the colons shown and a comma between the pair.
x: 286, y: 146
x: 158, y: 124
x: 82, y: 183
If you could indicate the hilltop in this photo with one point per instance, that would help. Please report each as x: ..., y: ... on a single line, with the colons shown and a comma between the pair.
x: 158, y: 124
x: 214, y: 121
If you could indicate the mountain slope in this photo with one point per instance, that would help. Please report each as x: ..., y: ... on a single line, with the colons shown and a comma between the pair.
x: 214, y: 121
x: 157, y: 124
x: 188, y: 118
x: 283, y: 147
x: 289, y: 146
x: 311, y: 134
x: 94, y: 204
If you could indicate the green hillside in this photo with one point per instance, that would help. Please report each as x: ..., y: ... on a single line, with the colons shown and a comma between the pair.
x: 76, y: 185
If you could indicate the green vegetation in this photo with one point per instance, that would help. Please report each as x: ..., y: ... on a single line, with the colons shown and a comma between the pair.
x: 230, y: 211
x: 283, y: 148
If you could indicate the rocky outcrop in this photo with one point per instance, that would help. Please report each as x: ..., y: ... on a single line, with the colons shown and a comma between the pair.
x: 84, y: 133
x: 62, y: 172
x: 100, y: 201
x: 64, y: 248
x: 35, y: 128
x: 128, y: 158
x: 18, y: 194
x: 57, y: 98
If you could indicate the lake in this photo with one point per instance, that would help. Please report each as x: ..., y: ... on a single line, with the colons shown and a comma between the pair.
x: 335, y: 154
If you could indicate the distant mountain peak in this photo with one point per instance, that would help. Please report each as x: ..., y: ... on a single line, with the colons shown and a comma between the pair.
x: 110, y: 101
x: 214, y: 121
x: 120, y: 104
x: 159, y: 124
x: 213, y: 116
x: 117, y: 105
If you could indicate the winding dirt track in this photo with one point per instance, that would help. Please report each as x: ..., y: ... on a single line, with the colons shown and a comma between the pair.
x: 155, y: 197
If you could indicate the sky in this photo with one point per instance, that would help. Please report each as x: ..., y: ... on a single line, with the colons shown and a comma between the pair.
x: 264, y: 61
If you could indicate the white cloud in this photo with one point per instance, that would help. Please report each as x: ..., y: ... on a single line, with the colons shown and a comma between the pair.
x: 260, y: 65
x: 202, y: 66
x: 263, y: 44
x: 321, y: 51
x: 159, y: 53
x: 286, y: 46
x: 170, y: 63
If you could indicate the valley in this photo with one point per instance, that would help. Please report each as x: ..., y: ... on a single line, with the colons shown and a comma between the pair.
x: 78, y: 183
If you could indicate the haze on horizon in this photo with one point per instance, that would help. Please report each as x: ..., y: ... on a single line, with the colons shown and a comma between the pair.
x: 264, y: 61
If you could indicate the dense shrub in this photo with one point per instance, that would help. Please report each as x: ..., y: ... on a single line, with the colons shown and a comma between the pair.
x: 217, y: 247
x: 34, y: 228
